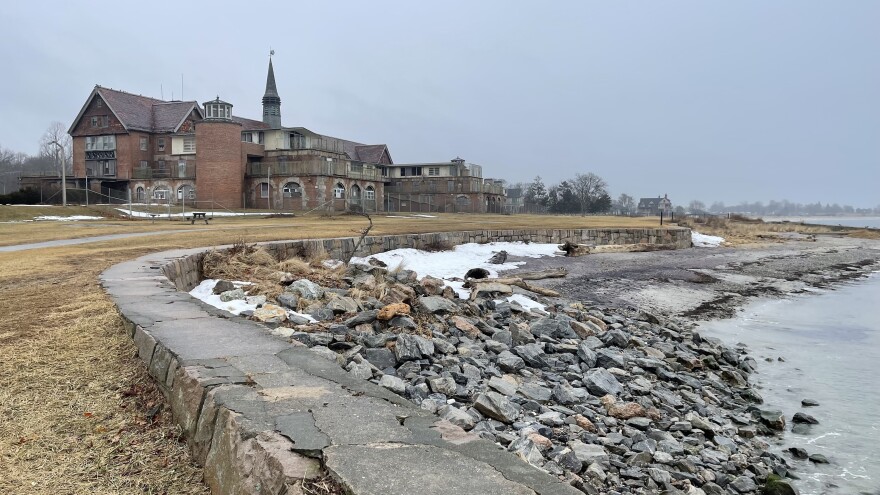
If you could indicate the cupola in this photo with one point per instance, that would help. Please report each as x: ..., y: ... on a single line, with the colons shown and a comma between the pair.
x: 218, y: 109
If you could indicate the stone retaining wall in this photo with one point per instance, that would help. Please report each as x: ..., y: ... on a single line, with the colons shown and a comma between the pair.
x: 185, y: 273
x: 262, y: 414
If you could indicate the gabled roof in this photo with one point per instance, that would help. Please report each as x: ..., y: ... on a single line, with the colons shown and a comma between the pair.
x: 371, y: 153
x: 651, y: 202
x: 141, y: 113
x: 250, y: 124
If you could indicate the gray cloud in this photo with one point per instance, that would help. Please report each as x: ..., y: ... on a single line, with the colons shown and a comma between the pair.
x: 713, y: 101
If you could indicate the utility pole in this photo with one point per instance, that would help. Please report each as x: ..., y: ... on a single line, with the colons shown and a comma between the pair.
x: 63, y: 172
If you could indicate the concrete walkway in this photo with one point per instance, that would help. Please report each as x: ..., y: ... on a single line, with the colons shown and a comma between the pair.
x: 262, y: 414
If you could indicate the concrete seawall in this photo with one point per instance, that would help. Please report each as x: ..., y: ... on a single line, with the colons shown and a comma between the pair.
x: 261, y: 414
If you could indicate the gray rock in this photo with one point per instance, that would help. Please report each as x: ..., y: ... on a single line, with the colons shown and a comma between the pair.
x: 509, y: 363
x: 772, y: 419
x: 600, y: 382
x: 809, y: 403
x: 381, y: 358
x: 606, y: 358
x: 362, y: 317
x: 502, y: 386
x: 342, y: 305
x: 616, y: 338
x: 568, y: 460
x: 818, y: 459
x: 287, y: 300
x: 743, y: 484
x: 321, y: 314
x: 232, y: 295
x: 393, y: 384
x: 588, y: 453
x: 564, y: 394
x: 496, y: 406
x: 532, y: 354
x: 437, y: 305
x: 535, y: 392
x: 305, y: 289
x: 804, y: 419
x: 402, y: 322
x: 457, y: 417
x: 442, y: 385
x: 659, y: 476
x: 222, y: 286
x: 587, y: 355
x: 504, y: 337
x: 552, y: 327
x: 360, y: 370
x: 409, y: 347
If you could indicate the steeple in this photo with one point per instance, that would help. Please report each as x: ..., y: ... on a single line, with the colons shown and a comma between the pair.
x: 271, y: 100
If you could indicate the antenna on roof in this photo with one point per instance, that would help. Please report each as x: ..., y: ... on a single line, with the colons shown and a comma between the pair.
x: 161, y: 91
x: 181, y: 86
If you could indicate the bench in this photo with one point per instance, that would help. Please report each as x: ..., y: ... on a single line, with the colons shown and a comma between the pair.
x: 198, y: 216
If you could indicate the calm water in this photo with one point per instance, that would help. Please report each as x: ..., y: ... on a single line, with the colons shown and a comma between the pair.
x: 870, y: 222
x: 831, y: 346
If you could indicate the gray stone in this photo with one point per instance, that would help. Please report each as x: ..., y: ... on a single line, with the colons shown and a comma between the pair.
x: 588, y: 453
x: 362, y: 317
x: 223, y: 286
x: 532, y: 354
x: 809, y: 403
x: 659, y: 476
x: 457, y: 417
x: 437, y: 305
x: 342, y: 305
x: 535, y: 392
x: 287, y: 300
x: 381, y: 358
x: 443, y: 385
x: 232, y: 295
x: 616, y: 338
x: 587, y: 355
x: 496, y: 406
x: 297, y: 319
x: 509, y: 363
x: 503, y: 387
x: 305, y: 289
x: 606, y: 358
x: 552, y: 327
x: 803, y: 418
x: 743, y: 484
x: 361, y: 370
x: 600, y: 382
x: 407, y: 348
x: 393, y: 384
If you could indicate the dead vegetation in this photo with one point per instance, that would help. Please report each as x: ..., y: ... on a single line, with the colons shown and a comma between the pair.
x: 739, y: 230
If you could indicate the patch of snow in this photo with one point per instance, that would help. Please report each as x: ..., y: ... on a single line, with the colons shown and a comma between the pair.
x: 703, y: 240
x: 332, y: 264
x: 525, y: 302
x: 422, y: 215
x: 71, y: 218
x: 144, y: 214
x: 205, y: 292
x: 455, y: 263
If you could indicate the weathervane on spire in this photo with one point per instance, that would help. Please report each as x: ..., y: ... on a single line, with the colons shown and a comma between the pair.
x: 271, y: 52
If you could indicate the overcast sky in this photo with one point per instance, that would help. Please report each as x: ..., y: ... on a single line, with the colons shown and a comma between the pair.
x: 732, y: 101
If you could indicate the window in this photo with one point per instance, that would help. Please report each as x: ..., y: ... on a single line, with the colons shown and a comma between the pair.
x: 264, y: 189
x: 450, y: 186
x: 108, y: 167
x: 370, y: 193
x: 99, y: 121
x: 186, y: 192
x: 339, y: 191
x: 189, y: 144
x: 416, y: 171
x: 433, y: 170
x: 247, y: 137
x: 100, y: 143
x: 384, y: 171
x: 160, y: 144
x: 144, y: 164
x: 260, y: 137
x: 355, y: 192
x: 160, y: 164
x: 144, y: 143
x: 292, y: 190
x: 160, y: 192
x: 139, y: 194
x: 99, y: 103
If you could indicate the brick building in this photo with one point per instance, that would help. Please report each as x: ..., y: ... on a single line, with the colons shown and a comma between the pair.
x: 454, y: 186
x: 180, y: 151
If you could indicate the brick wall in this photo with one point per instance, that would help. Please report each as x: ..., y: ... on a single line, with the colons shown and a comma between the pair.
x: 219, y: 165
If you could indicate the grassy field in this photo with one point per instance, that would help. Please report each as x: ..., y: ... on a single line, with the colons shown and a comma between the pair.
x: 78, y: 413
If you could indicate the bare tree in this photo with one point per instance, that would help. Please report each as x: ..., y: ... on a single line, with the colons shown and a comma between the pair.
x: 626, y: 203
x: 587, y: 189
x: 62, y: 152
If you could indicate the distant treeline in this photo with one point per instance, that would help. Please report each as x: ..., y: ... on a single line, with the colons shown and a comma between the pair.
x: 777, y: 208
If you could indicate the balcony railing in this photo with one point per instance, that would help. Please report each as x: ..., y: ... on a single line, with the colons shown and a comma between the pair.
x: 338, y: 168
x: 174, y: 172
x: 442, y: 186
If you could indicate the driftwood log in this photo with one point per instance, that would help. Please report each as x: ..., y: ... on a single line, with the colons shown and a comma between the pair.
x: 552, y: 273
x: 575, y: 250
x: 518, y: 282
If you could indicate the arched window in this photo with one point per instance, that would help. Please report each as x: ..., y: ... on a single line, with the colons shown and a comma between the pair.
x: 339, y: 191
x: 139, y: 194
x: 264, y: 189
x: 186, y: 192
x: 355, y: 192
x: 292, y: 190
x: 370, y: 193
x: 463, y: 200
x: 161, y: 193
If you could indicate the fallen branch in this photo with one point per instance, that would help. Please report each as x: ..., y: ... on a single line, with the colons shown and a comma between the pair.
x: 553, y: 273
x: 519, y: 283
x: 574, y: 250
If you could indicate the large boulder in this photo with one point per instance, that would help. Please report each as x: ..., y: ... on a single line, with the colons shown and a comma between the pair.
x: 437, y: 305
x: 269, y: 313
x: 496, y: 406
x: 600, y: 381
x: 305, y: 289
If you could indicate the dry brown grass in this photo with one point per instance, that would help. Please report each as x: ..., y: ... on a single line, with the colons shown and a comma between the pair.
x: 737, y: 232
x: 78, y: 412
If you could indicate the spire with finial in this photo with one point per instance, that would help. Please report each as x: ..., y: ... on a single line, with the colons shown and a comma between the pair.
x: 271, y: 100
